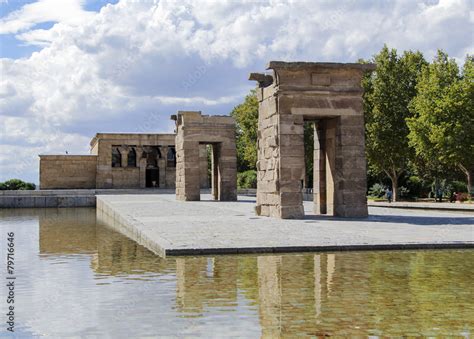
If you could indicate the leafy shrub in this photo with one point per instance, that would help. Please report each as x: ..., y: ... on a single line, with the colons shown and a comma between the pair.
x: 458, y: 186
x: 247, y: 179
x: 377, y: 191
x: 16, y: 184
x: 416, y: 186
x: 403, y: 192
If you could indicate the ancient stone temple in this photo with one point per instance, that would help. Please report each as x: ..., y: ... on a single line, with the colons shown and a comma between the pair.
x: 118, y: 160
x: 330, y: 95
x: 194, y: 130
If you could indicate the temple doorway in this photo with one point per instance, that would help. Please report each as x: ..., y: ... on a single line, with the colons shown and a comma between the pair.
x: 152, y: 177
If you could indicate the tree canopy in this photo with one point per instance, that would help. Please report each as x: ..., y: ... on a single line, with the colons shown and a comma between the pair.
x: 388, y: 92
x: 246, y: 118
x: 16, y: 184
x: 442, y: 127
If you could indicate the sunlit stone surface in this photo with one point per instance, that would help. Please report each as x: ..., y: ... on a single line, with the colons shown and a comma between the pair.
x: 167, y: 226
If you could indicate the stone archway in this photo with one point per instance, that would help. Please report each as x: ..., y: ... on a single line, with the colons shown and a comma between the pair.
x: 329, y: 94
x: 193, y: 130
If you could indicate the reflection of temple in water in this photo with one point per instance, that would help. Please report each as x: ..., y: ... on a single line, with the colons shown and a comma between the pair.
x: 293, y: 292
x: 68, y: 231
x: 206, y: 282
x: 292, y: 295
x: 118, y: 254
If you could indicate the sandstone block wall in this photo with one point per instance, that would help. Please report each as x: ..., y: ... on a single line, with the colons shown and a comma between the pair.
x: 280, y: 159
x: 67, y: 171
x: 126, y: 177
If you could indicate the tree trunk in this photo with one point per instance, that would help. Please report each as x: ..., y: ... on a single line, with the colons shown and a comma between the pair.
x: 395, y: 187
x: 393, y: 175
x: 470, y: 175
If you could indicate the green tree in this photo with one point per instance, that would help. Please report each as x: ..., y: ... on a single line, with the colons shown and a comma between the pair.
x: 388, y: 92
x: 246, y: 118
x: 442, y: 128
x: 16, y: 184
x: 247, y: 179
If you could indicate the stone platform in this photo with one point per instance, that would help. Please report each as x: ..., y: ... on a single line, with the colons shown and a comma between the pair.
x: 170, y: 227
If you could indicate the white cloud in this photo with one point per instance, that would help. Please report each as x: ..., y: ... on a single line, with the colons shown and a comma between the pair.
x: 113, y: 69
x: 66, y: 11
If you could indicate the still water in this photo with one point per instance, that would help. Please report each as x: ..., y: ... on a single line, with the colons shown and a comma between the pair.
x: 76, y: 278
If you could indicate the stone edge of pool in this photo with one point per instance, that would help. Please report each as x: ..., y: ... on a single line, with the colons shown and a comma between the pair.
x: 300, y: 249
x: 127, y: 226
x: 60, y: 198
x: 132, y: 228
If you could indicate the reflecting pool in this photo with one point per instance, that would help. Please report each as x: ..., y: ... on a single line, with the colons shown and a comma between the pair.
x: 76, y: 278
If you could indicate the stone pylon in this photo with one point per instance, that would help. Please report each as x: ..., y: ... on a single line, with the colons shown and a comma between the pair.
x: 330, y: 95
x: 192, y: 131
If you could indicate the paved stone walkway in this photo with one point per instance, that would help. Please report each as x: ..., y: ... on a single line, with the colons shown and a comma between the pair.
x: 169, y: 227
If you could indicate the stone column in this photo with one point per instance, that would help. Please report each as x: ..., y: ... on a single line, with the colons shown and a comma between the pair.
x: 227, y: 170
x: 141, y: 162
x: 319, y: 168
x: 124, y: 155
x: 187, y: 170
x: 268, y: 163
x: 351, y: 180
x: 162, y: 166
x: 215, y: 172
x: 292, y: 166
x: 203, y: 166
x: 333, y: 196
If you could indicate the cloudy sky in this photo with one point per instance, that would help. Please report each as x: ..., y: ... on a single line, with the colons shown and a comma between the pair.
x: 71, y: 68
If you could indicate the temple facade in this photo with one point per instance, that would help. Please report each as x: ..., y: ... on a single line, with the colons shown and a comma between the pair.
x: 119, y: 160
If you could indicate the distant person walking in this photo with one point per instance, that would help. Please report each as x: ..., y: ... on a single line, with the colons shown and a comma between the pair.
x: 389, y: 195
x: 453, y: 197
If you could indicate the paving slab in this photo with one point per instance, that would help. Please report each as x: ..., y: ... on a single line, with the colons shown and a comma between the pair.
x: 170, y: 227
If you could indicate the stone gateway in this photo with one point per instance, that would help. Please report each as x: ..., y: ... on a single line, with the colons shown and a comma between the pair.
x: 330, y: 95
x: 194, y: 130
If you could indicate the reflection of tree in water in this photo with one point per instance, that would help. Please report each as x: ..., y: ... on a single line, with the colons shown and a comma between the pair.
x: 433, y: 288
x: 357, y: 293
